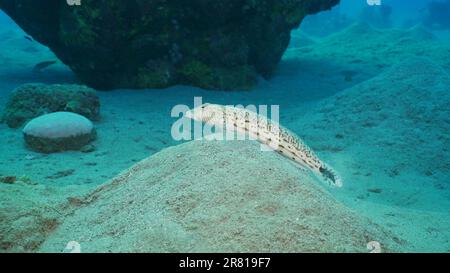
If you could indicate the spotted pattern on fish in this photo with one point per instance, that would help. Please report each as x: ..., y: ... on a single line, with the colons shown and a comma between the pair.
x: 266, y: 132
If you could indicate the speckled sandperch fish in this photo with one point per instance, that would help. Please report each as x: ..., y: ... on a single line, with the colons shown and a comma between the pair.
x: 266, y: 132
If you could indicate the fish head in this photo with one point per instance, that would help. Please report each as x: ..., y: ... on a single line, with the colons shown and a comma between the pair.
x: 203, y: 113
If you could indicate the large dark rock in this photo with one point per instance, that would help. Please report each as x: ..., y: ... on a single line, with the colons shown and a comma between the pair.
x: 214, y: 44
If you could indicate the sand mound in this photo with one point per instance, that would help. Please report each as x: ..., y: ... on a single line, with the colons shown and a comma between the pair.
x: 215, y: 196
x: 371, y: 51
x: 401, y: 116
x: 25, y: 223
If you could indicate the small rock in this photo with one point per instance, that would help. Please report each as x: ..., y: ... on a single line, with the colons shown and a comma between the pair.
x: 88, y: 149
x: 61, y: 174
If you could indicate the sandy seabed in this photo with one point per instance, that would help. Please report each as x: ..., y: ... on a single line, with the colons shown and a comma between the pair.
x: 385, y: 132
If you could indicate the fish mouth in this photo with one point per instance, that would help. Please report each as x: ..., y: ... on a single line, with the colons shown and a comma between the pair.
x: 331, y: 176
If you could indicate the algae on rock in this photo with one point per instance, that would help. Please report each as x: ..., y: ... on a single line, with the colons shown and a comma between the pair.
x: 32, y: 100
x: 216, y: 196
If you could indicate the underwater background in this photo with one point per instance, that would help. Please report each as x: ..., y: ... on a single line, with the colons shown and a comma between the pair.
x: 365, y: 87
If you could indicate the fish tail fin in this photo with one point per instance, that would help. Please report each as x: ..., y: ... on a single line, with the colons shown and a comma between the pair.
x: 331, y: 176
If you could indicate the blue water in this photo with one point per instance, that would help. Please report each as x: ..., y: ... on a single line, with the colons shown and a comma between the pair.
x: 323, y: 90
